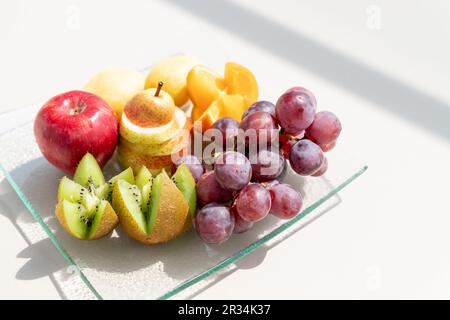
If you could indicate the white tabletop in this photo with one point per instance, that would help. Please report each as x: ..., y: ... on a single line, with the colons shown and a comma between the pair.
x: 382, y: 67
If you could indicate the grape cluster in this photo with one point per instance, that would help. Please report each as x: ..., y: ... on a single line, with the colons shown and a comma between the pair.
x: 242, y: 188
x: 305, y: 133
x: 233, y: 203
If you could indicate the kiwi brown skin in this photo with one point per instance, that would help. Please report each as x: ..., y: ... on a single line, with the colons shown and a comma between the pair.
x: 172, y: 214
x: 107, y: 224
x: 187, y: 224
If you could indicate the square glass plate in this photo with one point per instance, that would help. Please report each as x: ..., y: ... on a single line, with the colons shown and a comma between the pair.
x: 118, y: 267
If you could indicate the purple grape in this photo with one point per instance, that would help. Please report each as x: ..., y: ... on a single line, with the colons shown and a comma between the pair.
x: 325, y: 128
x: 240, y: 225
x: 233, y: 170
x: 286, y: 201
x: 305, y: 157
x: 194, y: 165
x: 214, y: 223
x: 265, y: 106
x: 323, y: 168
x: 267, y: 165
x: 228, y: 128
x: 260, y: 128
x: 308, y: 94
x: 209, y: 190
x: 295, y: 112
x: 253, y: 203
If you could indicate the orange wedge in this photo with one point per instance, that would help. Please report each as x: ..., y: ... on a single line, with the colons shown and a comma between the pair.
x: 240, y: 80
x: 232, y: 106
x: 207, y: 119
x: 196, y: 113
x: 204, y: 86
x: 215, y: 97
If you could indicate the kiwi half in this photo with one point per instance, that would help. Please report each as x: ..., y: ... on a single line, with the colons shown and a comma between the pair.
x: 155, y: 209
x: 83, y: 207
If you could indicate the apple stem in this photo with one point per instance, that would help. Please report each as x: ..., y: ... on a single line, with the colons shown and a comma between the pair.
x: 77, y: 109
x: 160, y: 84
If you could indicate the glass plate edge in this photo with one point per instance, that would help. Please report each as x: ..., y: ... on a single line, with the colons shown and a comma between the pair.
x: 190, y: 282
x: 49, y: 233
x: 249, y: 249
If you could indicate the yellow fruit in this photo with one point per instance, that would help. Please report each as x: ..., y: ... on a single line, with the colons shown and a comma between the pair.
x: 116, y: 86
x: 172, y: 72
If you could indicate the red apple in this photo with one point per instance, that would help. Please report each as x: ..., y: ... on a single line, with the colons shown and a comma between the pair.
x: 73, y: 123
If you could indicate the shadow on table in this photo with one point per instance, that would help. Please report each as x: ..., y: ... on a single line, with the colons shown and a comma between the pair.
x: 356, y: 77
x: 119, y: 255
x: 257, y: 257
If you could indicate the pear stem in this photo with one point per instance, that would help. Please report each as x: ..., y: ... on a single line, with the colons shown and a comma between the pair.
x: 160, y: 84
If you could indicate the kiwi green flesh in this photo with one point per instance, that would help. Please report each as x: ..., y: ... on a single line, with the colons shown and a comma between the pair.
x: 105, y: 190
x: 86, y: 197
x: 88, y: 173
x: 80, y: 223
x: 185, y: 182
x: 70, y: 190
x: 89, y: 207
x: 142, y: 200
x: 154, y: 201
x: 74, y: 192
x: 143, y: 203
x: 75, y: 216
x: 97, y: 218
x: 143, y: 177
x: 132, y: 199
x: 126, y: 175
